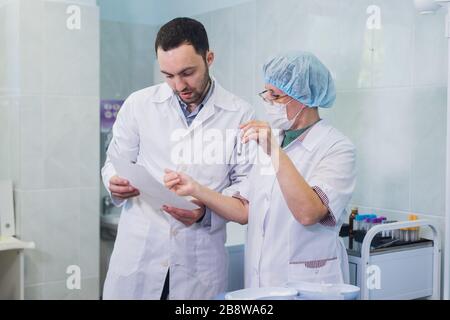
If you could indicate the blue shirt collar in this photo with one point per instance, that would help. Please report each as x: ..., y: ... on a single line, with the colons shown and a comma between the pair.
x: 194, y: 113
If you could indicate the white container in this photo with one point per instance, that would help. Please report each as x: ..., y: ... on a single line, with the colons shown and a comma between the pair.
x: 324, y: 291
x: 269, y: 293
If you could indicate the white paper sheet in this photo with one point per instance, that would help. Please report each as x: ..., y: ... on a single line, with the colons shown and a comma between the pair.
x: 150, y: 188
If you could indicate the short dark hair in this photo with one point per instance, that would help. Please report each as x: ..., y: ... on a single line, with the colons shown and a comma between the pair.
x: 181, y: 31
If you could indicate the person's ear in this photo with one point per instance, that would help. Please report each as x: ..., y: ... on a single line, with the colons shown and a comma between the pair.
x: 209, y: 58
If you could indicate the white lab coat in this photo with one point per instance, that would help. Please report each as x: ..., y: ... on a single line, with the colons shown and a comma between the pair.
x: 150, y: 241
x: 279, y: 249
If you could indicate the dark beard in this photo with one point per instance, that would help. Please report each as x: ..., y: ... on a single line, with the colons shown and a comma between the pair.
x: 205, y: 88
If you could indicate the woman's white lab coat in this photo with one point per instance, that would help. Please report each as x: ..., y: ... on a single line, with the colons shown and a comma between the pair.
x: 148, y: 130
x: 279, y: 249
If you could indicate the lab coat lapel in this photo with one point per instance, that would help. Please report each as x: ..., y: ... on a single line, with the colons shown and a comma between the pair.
x: 204, y: 115
x: 208, y: 111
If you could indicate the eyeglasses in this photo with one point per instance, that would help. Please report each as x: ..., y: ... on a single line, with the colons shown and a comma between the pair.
x: 270, y: 97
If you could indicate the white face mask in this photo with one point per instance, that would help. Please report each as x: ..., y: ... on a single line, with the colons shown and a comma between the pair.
x: 278, y: 118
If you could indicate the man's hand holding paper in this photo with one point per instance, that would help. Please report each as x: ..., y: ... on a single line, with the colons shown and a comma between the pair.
x: 143, y: 183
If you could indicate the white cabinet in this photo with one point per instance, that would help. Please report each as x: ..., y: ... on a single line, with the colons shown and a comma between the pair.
x: 12, y: 268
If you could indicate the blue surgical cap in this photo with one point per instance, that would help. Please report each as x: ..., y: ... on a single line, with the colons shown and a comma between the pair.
x: 303, y: 77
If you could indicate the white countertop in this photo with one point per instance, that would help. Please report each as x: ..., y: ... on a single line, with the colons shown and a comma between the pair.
x: 11, y: 243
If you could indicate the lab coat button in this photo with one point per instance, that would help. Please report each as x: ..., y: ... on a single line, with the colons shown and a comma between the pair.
x: 164, y: 264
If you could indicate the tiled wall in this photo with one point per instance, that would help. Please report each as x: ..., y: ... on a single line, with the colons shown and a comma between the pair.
x: 127, y: 58
x: 391, y: 86
x: 49, y: 97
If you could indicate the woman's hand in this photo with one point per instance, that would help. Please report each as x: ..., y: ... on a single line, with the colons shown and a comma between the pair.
x: 180, y: 183
x: 261, y: 132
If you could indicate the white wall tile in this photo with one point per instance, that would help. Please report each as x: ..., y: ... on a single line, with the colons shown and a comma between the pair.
x: 31, y: 225
x: 379, y: 125
x: 222, y: 43
x: 32, y: 152
x: 71, y: 64
x: 64, y: 224
x: 354, y: 65
x: 50, y: 146
x: 32, y: 35
x: 90, y: 289
x: 115, y: 57
x: 9, y: 48
x: 268, y: 40
x: 430, y: 50
x: 58, y: 290
x: 429, y: 151
x: 316, y: 31
x: 89, y: 141
x: 142, y: 45
x: 9, y: 147
x: 294, y: 24
x: 244, y: 50
x: 349, y: 116
x: 71, y: 137
x: 393, y: 44
x: 62, y: 210
x: 391, y: 147
x: 89, y: 232
x: 33, y: 292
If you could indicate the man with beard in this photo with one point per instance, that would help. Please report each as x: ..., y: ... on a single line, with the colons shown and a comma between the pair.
x: 170, y: 253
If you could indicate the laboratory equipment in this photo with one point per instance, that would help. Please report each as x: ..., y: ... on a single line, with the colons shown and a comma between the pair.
x: 395, y: 269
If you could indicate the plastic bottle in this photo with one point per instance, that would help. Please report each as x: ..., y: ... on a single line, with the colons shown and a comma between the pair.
x: 414, y: 231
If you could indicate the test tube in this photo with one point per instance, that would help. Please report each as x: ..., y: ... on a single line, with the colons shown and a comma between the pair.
x: 368, y: 224
x: 373, y: 222
x: 363, y: 224
x: 414, y: 232
x: 389, y: 233
x: 385, y: 233
x: 357, y: 225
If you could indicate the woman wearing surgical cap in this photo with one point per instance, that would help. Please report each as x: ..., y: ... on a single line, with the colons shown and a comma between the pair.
x: 294, y: 214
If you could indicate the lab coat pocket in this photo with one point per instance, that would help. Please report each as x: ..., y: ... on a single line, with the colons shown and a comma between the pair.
x: 327, y: 271
x: 129, y: 246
